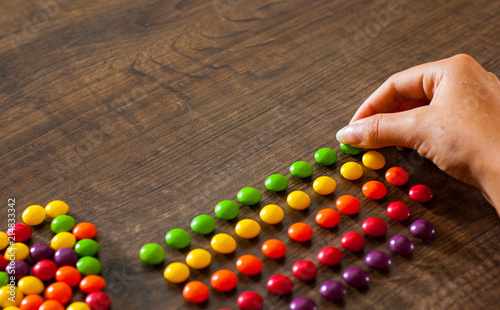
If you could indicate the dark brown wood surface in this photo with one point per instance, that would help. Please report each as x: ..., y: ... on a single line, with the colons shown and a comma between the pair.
x: 143, y: 114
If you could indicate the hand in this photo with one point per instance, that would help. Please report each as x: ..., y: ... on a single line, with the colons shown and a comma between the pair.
x: 448, y: 111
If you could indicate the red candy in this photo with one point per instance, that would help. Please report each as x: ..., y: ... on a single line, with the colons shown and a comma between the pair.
x: 304, y: 270
x: 353, y: 241
x: 3, y: 262
x: 374, y: 190
x: 21, y: 232
x: 374, y: 227
x: 224, y: 280
x: 327, y: 218
x: 101, y: 301
x: 421, y: 193
x: 300, y: 232
x: 396, y: 176
x: 69, y: 275
x: 59, y: 291
x: 274, y: 249
x: 330, y: 256
x: 249, y: 265
x: 398, y: 211
x: 348, y: 204
x: 280, y: 284
x: 250, y: 301
x: 45, y: 270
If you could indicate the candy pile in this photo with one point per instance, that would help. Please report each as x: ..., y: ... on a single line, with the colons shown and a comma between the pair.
x: 68, y: 261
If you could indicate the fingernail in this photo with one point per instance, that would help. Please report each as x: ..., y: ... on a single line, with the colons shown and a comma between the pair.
x: 350, y: 134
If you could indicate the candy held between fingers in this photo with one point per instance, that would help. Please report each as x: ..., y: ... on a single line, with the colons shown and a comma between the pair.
x: 247, y: 229
x: 332, y: 290
x: 196, y: 292
x: 351, y: 171
x: 351, y: 150
x: 356, y: 277
x: 324, y: 185
x: 373, y: 160
x: 378, y: 260
x: 276, y: 182
x: 325, y: 156
x: 301, y: 169
x: 223, y: 243
x: 34, y: 215
x: 203, y: 224
x: 422, y: 229
x: 198, y: 259
x: 298, y: 200
x: 176, y: 272
x: 56, y: 208
x: 227, y: 210
x: 249, y: 196
x: 249, y: 265
x: 401, y: 245
x: 272, y: 214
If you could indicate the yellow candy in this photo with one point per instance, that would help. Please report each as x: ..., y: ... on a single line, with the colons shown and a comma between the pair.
x: 34, y: 215
x: 56, y: 208
x: 247, y: 229
x: 373, y: 160
x: 79, y: 305
x: 19, y: 250
x: 14, y: 294
x: 272, y: 214
x: 324, y: 185
x: 198, y: 258
x: 31, y: 285
x: 63, y: 240
x: 223, y: 243
x: 12, y: 308
x: 176, y: 272
x: 351, y: 171
x: 4, y: 240
x: 298, y: 200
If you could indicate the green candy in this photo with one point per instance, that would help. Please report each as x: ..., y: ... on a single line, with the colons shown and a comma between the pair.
x: 351, y: 150
x: 276, y: 182
x: 4, y: 279
x: 62, y: 223
x: 203, y: 224
x: 227, y: 210
x: 325, y: 156
x: 86, y: 247
x: 89, y: 265
x: 178, y: 238
x: 249, y: 196
x: 301, y: 169
x: 151, y: 253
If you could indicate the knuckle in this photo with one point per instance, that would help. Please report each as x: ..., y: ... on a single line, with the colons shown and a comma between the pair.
x: 372, y: 131
x: 464, y: 59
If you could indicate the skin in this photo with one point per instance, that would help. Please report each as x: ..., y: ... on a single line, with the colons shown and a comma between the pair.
x: 448, y: 111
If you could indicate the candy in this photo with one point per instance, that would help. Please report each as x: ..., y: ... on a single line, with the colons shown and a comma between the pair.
x: 195, y: 291
x: 6, y: 300
x: 398, y: 211
x: 330, y: 256
x: 224, y: 280
x: 152, y: 253
x: 223, y: 243
x: 378, y: 260
x: 356, y: 277
x: 373, y: 160
x: 84, y: 231
x: 396, y: 176
x: 18, y: 269
x: 324, y: 185
x: 332, y: 290
x: 227, y: 210
x: 63, y: 240
x: 78, y: 305
x: 51, y: 305
x: 274, y: 249
x: 17, y: 251
x: 401, y: 245
x: 4, y: 240
x: 177, y: 238
x: 86, y: 247
x: 348, y: 204
x: 30, y: 302
x: 327, y: 218
x: 303, y: 303
x: 325, y: 156
x: 250, y: 301
x: 298, y: 200
x: 59, y: 291
x: 374, y: 227
x: 276, y: 183
x: 351, y: 150
x: 34, y: 215
x: 3, y: 263
x: 30, y: 285
x: 20, y: 232
x: 300, y: 232
x: 41, y: 251
x: 353, y: 241
x: 92, y: 283
x: 4, y: 278
x: 45, y: 269
x: 247, y: 229
x: 374, y: 190
x: 203, y: 224
x: 421, y: 193
x: 301, y: 169
x: 69, y: 275
x: 249, y: 196
x: 422, y: 229
x: 65, y: 257
x: 280, y: 284
x: 198, y: 259
x: 176, y: 272
x: 272, y: 214
x: 56, y: 208
x: 304, y: 270
x: 249, y: 265
x: 88, y: 265
x: 62, y: 223
x: 351, y: 171
x: 98, y: 301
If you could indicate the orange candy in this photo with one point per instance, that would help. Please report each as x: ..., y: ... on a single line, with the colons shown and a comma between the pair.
x: 84, y: 231
x: 59, y: 291
x: 374, y: 190
x: 327, y: 217
x: 69, y: 275
x: 348, y: 204
x: 249, y: 265
x: 300, y: 232
x: 224, y: 280
x: 51, y: 305
x: 274, y: 249
x: 195, y: 291
x: 31, y: 302
x: 92, y: 283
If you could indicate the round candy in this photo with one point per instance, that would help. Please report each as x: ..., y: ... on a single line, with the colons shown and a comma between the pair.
x: 223, y: 243
x: 330, y: 256
x: 421, y: 193
x: 56, y: 208
x: 86, y: 247
x: 198, y: 259
x: 4, y: 278
x: 41, y: 251
x: 353, y: 241
x: 30, y: 285
x: 250, y: 301
x: 18, y: 269
x: 62, y: 223
x: 373, y: 160
x: 4, y: 240
x: 378, y: 260
x: 20, y: 232
x: 203, y: 224
x: 325, y: 156
x: 34, y: 215
x: 276, y: 183
x: 396, y: 176
x: 177, y: 238
x: 355, y: 276
x: 332, y: 290
x: 17, y: 251
x: 63, y: 240
x: 30, y: 302
x: 84, y: 231
x: 59, y: 291
x: 303, y: 303
x: 88, y: 265
x: 249, y: 265
x: 6, y: 300
x: 78, y: 305
x: 298, y: 200
x: 176, y: 272
x: 348, y: 204
x: 422, y: 229
x: 98, y: 301
x: 272, y: 214
x: 401, y: 245
x: 92, y: 283
x: 224, y: 280
x: 65, y: 257
x: 300, y: 232
x: 301, y: 169
x: 351, y: 171
x: 280, y: 284
x: 51, y: 305
x: 45, y: 270
x: 374, y: 190
x: 274, y: 249
x: 327, y: 217
x: 227, y: 210
x: 247, y: 229
x: 398, y: 211
x: 249, y: 196
x: 374, y: 227
x: 351, y: 150
x: 152, y: 253
x: 305, y: 270
x: 324, y: 185
x: 195, y: 291
x: 3, y: 263
x: 69, y: 275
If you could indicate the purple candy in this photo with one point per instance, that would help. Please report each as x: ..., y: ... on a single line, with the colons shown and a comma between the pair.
x: 65, y: 257
x: 400, y: 244
x: 18, y: 269
x: 355, y: 276
x: 378, y: 260
x: 303, y: 303
x: 332, y: 290
x: 41, y: 251
x: 422, y: 229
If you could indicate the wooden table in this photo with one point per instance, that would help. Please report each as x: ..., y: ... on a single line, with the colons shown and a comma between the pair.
x: 143, y: 114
